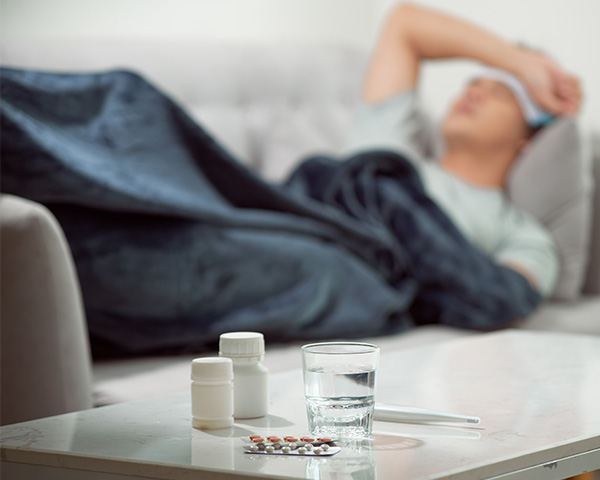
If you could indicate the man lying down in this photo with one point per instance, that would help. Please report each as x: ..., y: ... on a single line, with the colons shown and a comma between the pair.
x: 175, y: 242
x: 484, y: 131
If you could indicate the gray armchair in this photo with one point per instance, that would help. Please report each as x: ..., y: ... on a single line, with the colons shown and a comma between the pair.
x: 44, y: 353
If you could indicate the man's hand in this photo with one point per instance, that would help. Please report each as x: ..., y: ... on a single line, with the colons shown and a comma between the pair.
x: 523, y: 271
x: 550, y: 86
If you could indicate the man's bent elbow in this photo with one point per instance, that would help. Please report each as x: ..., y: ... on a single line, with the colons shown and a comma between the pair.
x: 401, y: 13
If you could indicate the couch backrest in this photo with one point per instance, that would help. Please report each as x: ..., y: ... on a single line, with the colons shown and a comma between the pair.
x: 270, y: 105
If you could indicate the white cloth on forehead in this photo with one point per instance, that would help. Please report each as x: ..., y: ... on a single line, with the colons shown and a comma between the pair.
x: 534, y: 115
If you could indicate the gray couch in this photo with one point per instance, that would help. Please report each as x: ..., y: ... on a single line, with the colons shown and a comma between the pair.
x: 269, y: 111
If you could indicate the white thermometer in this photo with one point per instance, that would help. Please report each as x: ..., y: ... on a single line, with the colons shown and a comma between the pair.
x: 396, y: 413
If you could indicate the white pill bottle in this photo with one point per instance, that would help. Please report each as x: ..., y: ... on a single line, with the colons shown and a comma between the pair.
x: 212, y: 393
x: 250, y: 376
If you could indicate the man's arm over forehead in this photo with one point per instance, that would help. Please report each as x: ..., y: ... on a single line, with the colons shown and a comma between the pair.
x: 411, y: 34
x: 394, y: 64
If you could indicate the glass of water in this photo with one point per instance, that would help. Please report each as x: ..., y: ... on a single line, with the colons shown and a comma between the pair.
x: 339, y: 386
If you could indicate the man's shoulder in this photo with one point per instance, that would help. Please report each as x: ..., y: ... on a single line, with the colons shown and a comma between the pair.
x: 397, y: 123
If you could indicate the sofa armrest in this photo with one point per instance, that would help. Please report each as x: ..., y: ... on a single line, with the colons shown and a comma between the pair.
x: 45, y: 354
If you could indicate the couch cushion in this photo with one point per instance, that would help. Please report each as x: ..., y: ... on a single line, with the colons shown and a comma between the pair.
x: 553, y: 181
x: 582, y: 316
x: 317, y: 108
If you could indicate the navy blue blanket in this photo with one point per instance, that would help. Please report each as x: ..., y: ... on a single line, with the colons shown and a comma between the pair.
x: 175, y: 242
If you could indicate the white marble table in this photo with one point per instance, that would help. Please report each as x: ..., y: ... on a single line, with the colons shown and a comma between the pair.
x: 538, y: 395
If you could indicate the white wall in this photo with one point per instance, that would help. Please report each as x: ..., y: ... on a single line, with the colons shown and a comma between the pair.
x: 568, y: 30
x: 348, y: 22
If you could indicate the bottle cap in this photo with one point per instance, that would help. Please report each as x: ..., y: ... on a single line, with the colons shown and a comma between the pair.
x: 242, y: 344
x: 212, y: 369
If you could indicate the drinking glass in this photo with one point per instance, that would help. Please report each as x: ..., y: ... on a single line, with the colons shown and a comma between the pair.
x: 339, y: 386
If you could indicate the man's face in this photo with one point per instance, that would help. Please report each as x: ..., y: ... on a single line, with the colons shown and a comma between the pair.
x: 487, y: 115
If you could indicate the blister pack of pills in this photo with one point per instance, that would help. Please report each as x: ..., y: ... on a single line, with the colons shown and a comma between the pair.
x: 290, y: 445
